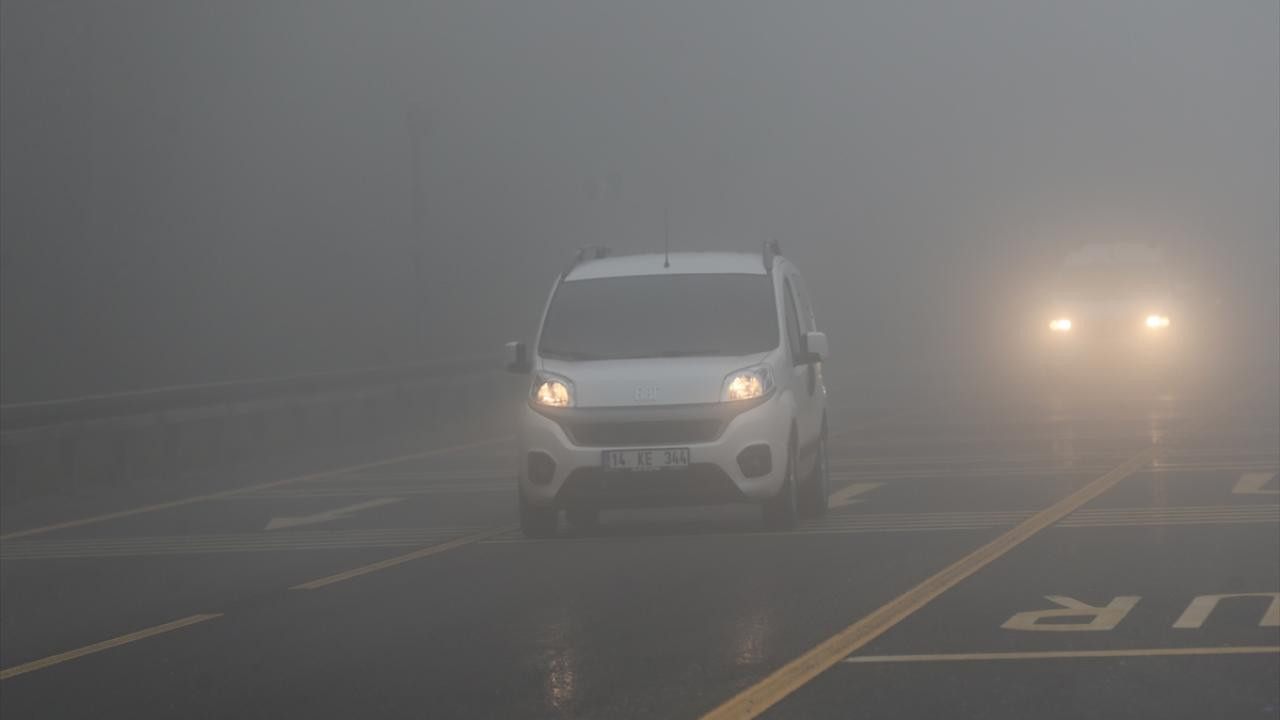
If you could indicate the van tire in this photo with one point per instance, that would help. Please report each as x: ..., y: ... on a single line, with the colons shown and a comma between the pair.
x: 583, y: 519
x: 536, y: 522
x: 814, y: 500
x: 782, y: 511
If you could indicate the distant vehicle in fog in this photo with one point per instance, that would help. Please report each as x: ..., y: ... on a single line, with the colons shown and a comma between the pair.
x: 1112, y: 303
x: 689, y: 379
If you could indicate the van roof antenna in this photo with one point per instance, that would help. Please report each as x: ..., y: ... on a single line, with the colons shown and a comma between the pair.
x: 771, y: 250
x: 666, y: 232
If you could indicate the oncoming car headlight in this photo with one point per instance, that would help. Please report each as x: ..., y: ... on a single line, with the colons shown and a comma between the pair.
x: 1156, y: 322
x: 1061, y: 324
x: 553, y: 391
x: 747, y: 384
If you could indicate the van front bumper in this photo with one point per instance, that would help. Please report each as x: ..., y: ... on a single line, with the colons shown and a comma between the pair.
x: 561, y: 458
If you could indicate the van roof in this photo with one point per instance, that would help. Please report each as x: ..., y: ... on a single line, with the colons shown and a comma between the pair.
x: 682, y: 263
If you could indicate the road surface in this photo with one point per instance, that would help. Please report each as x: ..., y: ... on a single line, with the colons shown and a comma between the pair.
x: 1039, y: 554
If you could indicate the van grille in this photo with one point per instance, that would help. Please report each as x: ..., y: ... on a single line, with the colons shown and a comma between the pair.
x: 651, y: 432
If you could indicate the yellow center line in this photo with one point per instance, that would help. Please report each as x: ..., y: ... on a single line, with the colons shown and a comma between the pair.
x: 782, y: 682
x: 104, y: 645
x: 393, y: 561
x: 1053, y: 654
x: 250, y: 488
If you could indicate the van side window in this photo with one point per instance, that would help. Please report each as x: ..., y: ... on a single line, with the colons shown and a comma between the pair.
x: 804, y: 307
x: 793, y: 323
x: 808, y: 320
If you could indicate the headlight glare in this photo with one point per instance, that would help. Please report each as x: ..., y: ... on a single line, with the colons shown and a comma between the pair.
x: 553, y: 392
x: 1155, y: 322
x: 747, y: 384
x: 1060, y: 324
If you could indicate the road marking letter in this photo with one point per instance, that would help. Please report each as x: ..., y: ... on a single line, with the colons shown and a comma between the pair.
x: 766, y: 693
x: 1100, y: 618
x: 1253, y: 483
x: 1200, y: 608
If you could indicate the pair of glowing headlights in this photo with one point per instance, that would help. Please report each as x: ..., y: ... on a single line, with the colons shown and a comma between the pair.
x: 748, y: 384
x: 1154, y: 322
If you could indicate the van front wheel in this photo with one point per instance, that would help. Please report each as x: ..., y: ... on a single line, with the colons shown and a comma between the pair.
x: 536, y: 522
x: 782, y: 512
x: 814, y: 502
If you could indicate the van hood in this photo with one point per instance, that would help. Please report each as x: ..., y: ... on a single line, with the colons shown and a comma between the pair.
x: 649, y: 381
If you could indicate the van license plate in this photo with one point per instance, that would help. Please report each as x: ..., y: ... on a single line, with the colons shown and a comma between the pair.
x: 655, y: 459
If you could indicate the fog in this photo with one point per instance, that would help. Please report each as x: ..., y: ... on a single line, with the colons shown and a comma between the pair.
x: 196, y: 192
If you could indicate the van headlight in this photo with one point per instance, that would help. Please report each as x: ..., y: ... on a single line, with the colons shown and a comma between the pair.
x: 552, y: 391
x: 1156, y: 322
x: 747, y: 384
x: 1062, y: 324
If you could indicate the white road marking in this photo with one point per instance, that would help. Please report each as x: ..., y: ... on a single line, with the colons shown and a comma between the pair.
x: 504, y: 486
x: 281, y: 523
x: 845, y: 496
x: 852, y: 523
x: 1060, y: 654
x: 1096, y: 617
x: 252, y: 488
x: 231, y: 543
x: 1254, y: 483
x: 1200, y: 608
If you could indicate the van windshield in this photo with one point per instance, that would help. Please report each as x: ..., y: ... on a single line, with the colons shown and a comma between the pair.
x: 661, y: 316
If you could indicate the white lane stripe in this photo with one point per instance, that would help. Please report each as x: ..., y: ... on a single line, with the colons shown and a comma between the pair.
x: 517, y: 540
x: 250, y: 538
x: 181, y: 502
x: 179, y: 544
x: 879, y: 522
x: 1171, y: 521
x: 1175, y: 514
x: 1160, y: 508
x: 832, y: 522
x: 274, y: 539
x: 966, y: 473
x: 377, y: 490
x: 423, y: 477
x: 1171, y: 518
x: 199, y: 549
x: 220, y: 550
x: 940, y: 522
x: 1070, y: 470
x: 1198, y: 513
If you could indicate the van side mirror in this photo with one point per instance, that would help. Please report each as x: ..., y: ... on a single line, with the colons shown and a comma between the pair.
x: 518, y: 358
x: 815, y: 348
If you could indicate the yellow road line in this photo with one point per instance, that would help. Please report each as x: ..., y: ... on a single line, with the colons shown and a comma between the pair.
x: 251, y: 488
x: 1147, y: 652
x: 790, y: 677
x: 393, y: 561
x: 104, y: 645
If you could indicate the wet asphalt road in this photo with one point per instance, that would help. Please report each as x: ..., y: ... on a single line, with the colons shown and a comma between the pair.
x: 670, y: 614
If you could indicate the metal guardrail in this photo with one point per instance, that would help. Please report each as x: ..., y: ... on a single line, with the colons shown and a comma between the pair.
x: 158, y: 435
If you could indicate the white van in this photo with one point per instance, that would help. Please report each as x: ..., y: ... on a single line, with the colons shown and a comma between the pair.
x: 693, y: 378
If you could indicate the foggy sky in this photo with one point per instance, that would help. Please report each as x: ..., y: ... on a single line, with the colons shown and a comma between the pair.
x: 197, y: 191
